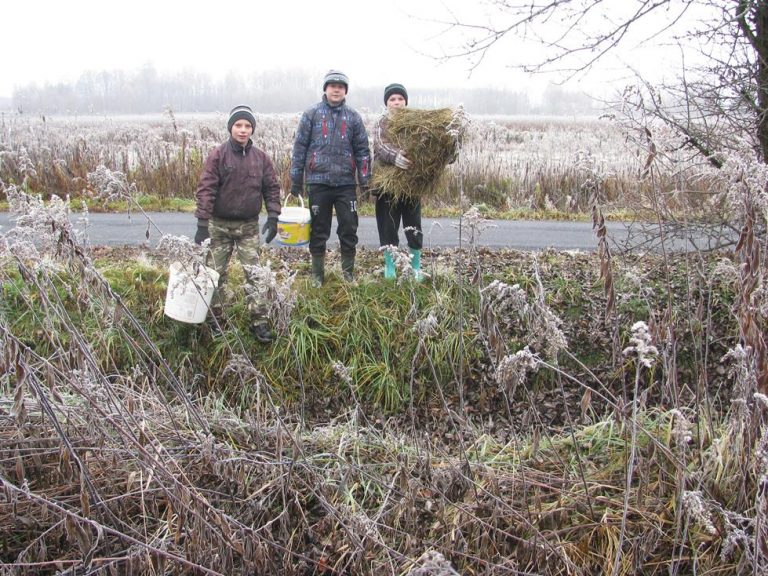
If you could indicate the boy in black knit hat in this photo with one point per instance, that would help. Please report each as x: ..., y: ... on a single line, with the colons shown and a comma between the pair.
x: 236, y: 180
x: 390, y: 211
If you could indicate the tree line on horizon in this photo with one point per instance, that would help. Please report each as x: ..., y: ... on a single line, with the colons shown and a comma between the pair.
x: 278, y: 91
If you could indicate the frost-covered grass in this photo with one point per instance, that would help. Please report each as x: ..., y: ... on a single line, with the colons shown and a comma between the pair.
x: 507, y: 164
x: 497, y: 418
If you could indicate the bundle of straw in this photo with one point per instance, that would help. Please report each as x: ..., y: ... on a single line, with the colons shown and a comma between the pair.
x: 429, y: 139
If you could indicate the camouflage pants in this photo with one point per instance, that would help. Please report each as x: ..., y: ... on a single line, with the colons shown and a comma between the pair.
x: 243, y: 236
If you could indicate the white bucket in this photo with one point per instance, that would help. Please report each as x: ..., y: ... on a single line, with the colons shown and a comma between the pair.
x: 188, y: 296
x: 293, y: 225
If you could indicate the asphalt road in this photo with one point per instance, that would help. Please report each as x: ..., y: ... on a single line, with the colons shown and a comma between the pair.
x: 137, y: 229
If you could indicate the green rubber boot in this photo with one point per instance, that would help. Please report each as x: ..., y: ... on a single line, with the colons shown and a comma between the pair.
x: 389, y: 266
x: 318, y: 271
x: 416, y: 265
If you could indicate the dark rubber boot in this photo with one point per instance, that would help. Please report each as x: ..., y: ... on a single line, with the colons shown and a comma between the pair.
x: 348, y: 267
x: 318, y: 271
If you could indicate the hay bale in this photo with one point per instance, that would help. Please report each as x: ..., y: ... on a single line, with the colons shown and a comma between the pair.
x: 429, y: 139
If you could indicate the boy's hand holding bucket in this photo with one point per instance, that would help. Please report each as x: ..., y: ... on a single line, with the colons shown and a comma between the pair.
x: 293, y: 224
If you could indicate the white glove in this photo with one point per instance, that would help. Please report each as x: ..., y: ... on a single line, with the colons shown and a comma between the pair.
x: 402, y: 162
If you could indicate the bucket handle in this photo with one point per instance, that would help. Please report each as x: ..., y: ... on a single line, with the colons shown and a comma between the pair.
x: 285, y: 202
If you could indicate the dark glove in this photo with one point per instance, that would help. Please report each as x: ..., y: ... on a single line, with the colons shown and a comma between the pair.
x: 297, y: 189
x: 270, y: 229
x: 365, y: 192
x: 202, y: 231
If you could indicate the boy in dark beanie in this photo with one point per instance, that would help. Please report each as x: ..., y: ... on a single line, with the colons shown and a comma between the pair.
x: 390, y: 211
x: 330, y: 157
x: 236, y: 179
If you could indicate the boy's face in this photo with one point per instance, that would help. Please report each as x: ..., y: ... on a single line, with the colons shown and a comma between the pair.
x: 335, y: 92
x: 395, y: 101
x: 241, y: 131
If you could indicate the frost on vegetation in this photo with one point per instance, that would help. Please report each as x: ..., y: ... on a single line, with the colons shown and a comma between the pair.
x: 735, y: 539
x: 513, y: 370
x: 342, y: 372
x: 592, y: 172
x: 110, y: 185
x: 682, y: 428
x: 242, y: 367
x: 402, y: 259
x: 640, y: 345
x: 426, y: 327
x: 744, y: 380
x: 181, y: 249
x: 737, y: 532
x: 697, y: 509
x: 726, y: 269
x: 343, y: 432
x: 474, y: 221
x: 507, y: 309
x: 548, y: 336
x: 25, y: 165
x: 507, y: 302
x: 747, y: 179
x: 359, y: 522
x: 459, y: 124
x: 42, y: 232
x: 637, y: 285
x: 280, y: 297
x: 759, y: 298
x: 432, y: 563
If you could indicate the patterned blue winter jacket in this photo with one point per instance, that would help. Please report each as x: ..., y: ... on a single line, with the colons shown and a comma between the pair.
x: 331, y: 146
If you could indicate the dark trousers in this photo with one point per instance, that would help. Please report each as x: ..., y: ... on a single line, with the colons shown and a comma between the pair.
x: 322, y: 201
x: 390, y: 212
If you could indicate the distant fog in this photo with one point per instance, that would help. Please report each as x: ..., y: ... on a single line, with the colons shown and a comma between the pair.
x: 146, y: 91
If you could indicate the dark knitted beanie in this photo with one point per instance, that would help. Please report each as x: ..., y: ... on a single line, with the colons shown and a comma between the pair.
x: 241, y: 113
x: 395, y: 89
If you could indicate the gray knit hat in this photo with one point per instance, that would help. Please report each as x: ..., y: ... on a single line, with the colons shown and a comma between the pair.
x: 395, y: 89
x: 241, y: 113
x: 336, y: 77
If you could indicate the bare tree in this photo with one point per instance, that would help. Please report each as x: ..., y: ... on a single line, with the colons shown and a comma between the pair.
x: 717, y: 102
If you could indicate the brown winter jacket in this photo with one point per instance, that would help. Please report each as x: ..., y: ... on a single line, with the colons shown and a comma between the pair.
x: 234, y: 181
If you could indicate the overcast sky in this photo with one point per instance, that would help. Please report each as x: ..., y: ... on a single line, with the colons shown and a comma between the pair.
x: 373, y: 42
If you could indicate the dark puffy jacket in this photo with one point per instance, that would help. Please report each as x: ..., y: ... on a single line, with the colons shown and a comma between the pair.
x: 234, y: 181
x: 331, y: 147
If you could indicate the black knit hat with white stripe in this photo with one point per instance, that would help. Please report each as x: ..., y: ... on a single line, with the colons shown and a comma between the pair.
x: 241, y: 113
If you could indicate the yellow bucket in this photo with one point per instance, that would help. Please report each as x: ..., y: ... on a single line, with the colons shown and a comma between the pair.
x: 293, y: 225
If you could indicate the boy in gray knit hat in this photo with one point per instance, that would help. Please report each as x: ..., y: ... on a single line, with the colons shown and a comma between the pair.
x: 330, y: 158
x: 236, y: 180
